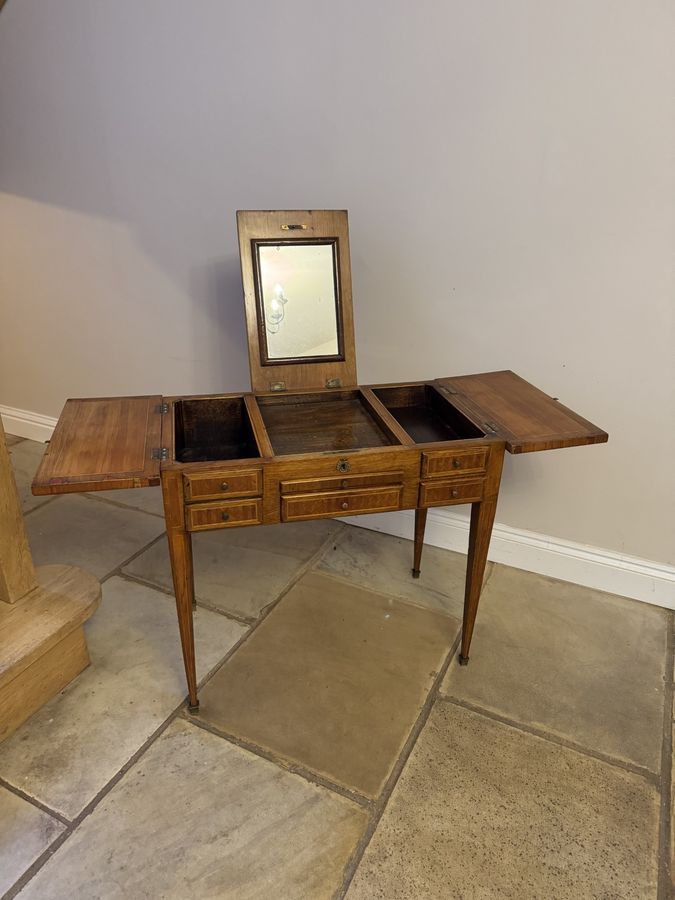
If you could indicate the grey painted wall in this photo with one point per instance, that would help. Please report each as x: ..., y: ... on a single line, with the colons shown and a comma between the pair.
x: 508, y: 170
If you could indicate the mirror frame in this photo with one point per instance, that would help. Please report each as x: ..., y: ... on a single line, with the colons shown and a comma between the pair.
x: 259, y: 227
x: 265, y: 358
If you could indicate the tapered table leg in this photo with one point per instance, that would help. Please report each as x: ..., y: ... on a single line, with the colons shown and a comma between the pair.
x: 180, y: 553
x: 420, y: 525
x: 482, y: 519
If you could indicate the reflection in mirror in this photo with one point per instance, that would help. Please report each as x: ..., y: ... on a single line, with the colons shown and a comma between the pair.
x: 298, y: 298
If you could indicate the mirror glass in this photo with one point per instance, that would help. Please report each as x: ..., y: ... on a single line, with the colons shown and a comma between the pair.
x: 298, y: 299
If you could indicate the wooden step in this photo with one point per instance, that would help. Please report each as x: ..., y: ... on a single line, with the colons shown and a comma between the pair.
x: 42, y: 641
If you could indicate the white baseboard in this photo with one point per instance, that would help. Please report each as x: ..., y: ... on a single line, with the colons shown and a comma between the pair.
x: 26, y: 424
x: 605, y: 570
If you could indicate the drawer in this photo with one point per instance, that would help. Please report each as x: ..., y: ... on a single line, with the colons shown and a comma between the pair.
x: 340, y: 503
x: 340, y: 483
x: 226, y: 483
x: 436, y: 463
x: 226, y: 514
x: 444, y: 493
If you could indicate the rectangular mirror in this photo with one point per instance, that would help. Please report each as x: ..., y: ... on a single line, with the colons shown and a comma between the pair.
x: 298, y: 296
x: 296, y: 275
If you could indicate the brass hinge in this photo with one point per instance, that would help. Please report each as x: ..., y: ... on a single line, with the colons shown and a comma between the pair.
x: 162, y: 409
x: 278, y: 386
x: 448, y: 390
x: 333, y: 383
x: 160, y: 453
x: 490, y: 427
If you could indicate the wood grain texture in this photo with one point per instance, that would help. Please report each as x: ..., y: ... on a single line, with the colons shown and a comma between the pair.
x: 17, y: 575
x: 102, y: 444
x: 218, y: 484
x: 41, y: 681
x: 441, y: 463
x: 326, y: 421
x: 182, y: 572
x: 449, y: 493
x: 266, y: 225
x: 225, y: 514
x: 480, y: 532
x: 297, y: 507
x: 65, y: 598
x: 525, y: 417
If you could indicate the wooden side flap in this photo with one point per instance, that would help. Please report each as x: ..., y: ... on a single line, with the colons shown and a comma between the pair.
x: 103, y: 444
x: 504, y: 404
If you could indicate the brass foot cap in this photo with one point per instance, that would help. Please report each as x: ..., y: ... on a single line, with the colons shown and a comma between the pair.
x: 193, y: 710
x: 415, y: 573
x: 463, y: 660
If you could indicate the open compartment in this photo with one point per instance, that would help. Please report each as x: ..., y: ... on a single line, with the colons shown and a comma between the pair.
x: 425, y: 414
x: 316, y: 423
x: 213, y: 429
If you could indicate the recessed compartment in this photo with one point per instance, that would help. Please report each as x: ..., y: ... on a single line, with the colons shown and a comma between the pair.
x: 214, y: 428
x: 316, y: 423
x: 425, y: 414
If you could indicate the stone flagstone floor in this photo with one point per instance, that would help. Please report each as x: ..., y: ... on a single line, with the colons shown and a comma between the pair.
x: 340, y: 751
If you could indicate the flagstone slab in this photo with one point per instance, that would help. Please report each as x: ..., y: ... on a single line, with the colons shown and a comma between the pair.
x: 25, y: 833
x: 333, y: 679
x: 383, y: 563
x: 68, y: 751
x: 240, y: 570
x: 197, y: 818
x: 485, y: 810
x: 149, y: 499
x: 585, y: 665
x: 78, y: 531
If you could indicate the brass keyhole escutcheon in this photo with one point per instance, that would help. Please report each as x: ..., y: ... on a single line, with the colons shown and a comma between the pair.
x: 345, y: 505
x: 456, y: 463
x: 226, y: 516
x: 225, y: 486
x: 343, y: 465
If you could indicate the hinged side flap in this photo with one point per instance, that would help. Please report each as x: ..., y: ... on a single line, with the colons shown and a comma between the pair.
x: 526, y: 418
x: 103, y: 444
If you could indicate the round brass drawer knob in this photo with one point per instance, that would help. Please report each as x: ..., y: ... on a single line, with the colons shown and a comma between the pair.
x: 225, y: 486
x: 345, y: 505
x: 345, y: 483
x: 226, y: 516
x: 456, y: 463
x: 454, y: 492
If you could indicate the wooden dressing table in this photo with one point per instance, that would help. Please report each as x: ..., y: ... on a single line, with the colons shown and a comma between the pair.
x: 308, y: 443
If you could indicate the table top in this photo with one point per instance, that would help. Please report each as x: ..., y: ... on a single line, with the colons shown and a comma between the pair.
x: 121, y: 442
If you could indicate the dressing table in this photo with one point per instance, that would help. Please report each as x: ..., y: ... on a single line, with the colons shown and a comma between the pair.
x: 308, y: 442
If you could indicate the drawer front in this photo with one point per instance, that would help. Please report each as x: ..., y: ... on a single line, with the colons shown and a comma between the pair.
x: 340, y: 483
x: 340, y: 503
x: 445, y: 493
x: 226, y: 514
x: 437, y: 463
x: 226, y: 483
